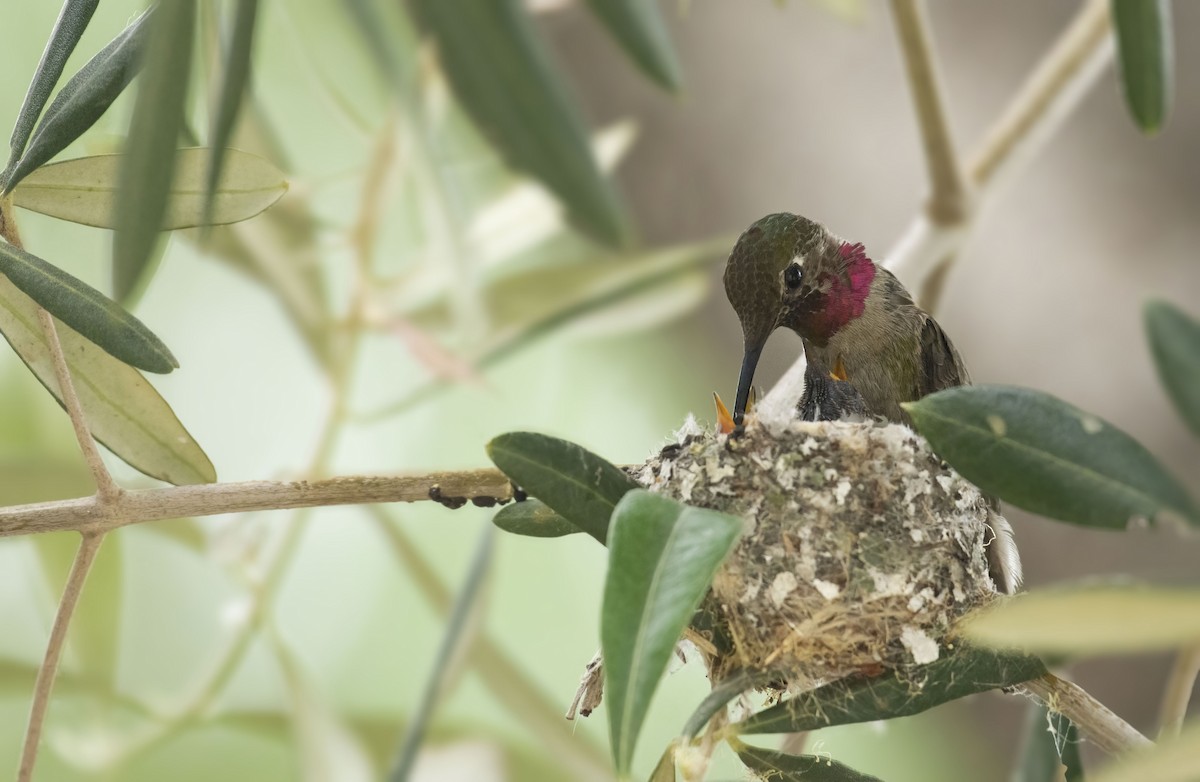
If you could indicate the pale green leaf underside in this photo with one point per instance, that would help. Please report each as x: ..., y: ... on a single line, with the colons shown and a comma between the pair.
x: 1093, y: 620
x: 83, y: 190
x: 1171, y: 760
x: 123, y: 410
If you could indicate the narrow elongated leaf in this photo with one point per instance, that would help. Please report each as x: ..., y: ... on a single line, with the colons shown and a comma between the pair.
x: 73, y: 19
x: 505, y: 80
x: 1175, y: 342
x: 185, y: 532
x: 729, y: 688
x: 148, y: 162
x: 662, y: 559
x: 1048, y: 457
x: 577, y: 484
x: 84, y: 190
x: 86, y: 310
x: 1083, y: 620
x: 665, y: 770
x: 455, y: 642
x: 639, y: 27
x: 1145, y: 58
x: 780, y: 767
x: 657, y: 273
x: 95, y: 636
x: 1170, y: 760
x: 896, y: 694
x: 235, y: 78
x: 1051, y: 749
x: 613, y: 290
x: 534, y: 519
x: 83, y: 99
x: 123, y: 411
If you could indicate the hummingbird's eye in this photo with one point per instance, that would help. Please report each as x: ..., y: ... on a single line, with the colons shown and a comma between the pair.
x: 792, y: 276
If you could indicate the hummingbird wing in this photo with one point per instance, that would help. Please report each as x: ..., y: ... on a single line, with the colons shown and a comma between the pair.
x: 940, y: 365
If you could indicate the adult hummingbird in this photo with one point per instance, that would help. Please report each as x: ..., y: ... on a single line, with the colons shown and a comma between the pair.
x: 869, y: 346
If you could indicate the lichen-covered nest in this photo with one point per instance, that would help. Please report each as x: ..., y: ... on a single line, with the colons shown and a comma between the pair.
x: 860, y: 552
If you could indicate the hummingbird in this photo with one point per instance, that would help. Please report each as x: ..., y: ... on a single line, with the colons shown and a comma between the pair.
x: 868, y: 345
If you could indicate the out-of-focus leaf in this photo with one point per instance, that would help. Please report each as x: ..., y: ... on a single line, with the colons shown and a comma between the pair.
x: 148, y: 162
x: 665, y: 770
x: 853, y: 11
x: 235, y: 78
x: 321, y: 738
x: 662, y: 559
x: 87, y: 310
x: 95, y: 635
x: 83, y: 99
x: 84, y: 190
x: 123, y: 410
x: 506, y: 82
x: 1090, y: 620
x: 554, y: 313
x: 533, y: 519
x: 1170, y: 760
x: 1145, y: 59
x: 577, y: 484
x: 17, y: 679
x: 966, y: 671
x: 279, y: 250
x: 1175, y: 342
x: 780, y: 767
x: 39, y: 477
x: 522, y: 305
x: 1048, y: 457
x: 1051, y: 749
x: 639, y: 27
x: 73, y: 19
x: 456, y: 640
x: 186, y: 532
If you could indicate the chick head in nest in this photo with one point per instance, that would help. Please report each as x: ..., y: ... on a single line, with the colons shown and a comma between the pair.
x: 861, y: 549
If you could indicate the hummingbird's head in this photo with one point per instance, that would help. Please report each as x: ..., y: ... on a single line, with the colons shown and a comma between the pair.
x: 787, y: 270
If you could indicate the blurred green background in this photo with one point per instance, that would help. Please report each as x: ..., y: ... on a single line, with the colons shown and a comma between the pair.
x: 801, y: 108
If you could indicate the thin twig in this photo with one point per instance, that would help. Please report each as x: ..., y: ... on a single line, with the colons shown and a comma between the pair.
x: 107, y: 489
x: 481, y: 487
x: 1096, y: 722
x: 499, y: 673
x: 949, y: 200
x: 1178, y: 693
x: 84, y: 557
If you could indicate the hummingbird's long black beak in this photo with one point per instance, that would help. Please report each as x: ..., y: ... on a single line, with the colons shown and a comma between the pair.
x: 749, y: 362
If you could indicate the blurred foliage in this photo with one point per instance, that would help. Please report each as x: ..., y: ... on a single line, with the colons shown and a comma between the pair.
x: 445, y: 209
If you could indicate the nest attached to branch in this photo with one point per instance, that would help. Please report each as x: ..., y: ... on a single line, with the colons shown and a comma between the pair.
x: 860, y: 552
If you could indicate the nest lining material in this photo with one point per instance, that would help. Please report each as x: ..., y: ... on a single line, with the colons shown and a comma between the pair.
x: 861, y: 548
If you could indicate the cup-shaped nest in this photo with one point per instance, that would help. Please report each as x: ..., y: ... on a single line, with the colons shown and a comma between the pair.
x: 861, y: 548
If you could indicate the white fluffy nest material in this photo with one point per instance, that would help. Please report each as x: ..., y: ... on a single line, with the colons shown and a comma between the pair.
x: 861, y: 548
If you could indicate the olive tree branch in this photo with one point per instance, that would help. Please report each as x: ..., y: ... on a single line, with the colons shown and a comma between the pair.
x: 84, y: 557
x: 1180, y: 683
x: 1095, y: 721
x: 949, y: 201
x: 107, y: 492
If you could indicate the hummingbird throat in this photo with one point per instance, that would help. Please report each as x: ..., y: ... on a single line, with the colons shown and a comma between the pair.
x: 847, y: 295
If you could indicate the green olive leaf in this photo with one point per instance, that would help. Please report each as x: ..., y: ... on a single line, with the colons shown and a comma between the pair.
x: 662, y: 559
x: 1049, y: 457
x: 84, y: 190
x: 122, y: 409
